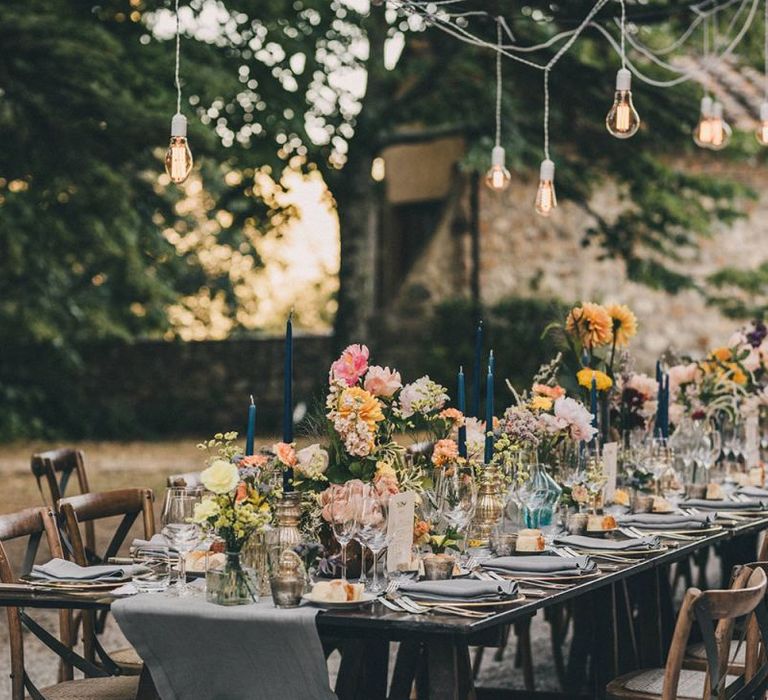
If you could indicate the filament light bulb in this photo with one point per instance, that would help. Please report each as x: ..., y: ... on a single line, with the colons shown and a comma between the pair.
x: 721, y: 131
x: 702, y: 133
x: 498, y: 177
x: 762, y: 129
x: 178, y: 157
x: 546, y: 200
x: 623, y: 120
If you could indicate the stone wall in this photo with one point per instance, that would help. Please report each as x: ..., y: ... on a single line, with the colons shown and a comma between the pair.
x: 522, y: 254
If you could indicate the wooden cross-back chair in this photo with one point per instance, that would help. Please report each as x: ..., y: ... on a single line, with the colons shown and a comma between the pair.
x: 714, y: 612
x: 88, y: 508
x: 32, y: 524
x: 53, y: 472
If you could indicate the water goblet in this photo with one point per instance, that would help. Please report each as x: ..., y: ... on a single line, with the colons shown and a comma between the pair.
x: 371, y: 527
x: 343, y: 504
x: 182, y: 533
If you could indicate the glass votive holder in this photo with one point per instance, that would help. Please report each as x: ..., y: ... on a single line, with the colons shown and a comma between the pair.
x: 152, y: 568
x: 576, y: 523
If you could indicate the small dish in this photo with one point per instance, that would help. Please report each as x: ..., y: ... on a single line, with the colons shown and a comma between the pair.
x: 366, y: 599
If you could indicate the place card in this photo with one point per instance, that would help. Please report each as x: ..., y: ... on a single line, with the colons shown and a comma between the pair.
x: 610, y: 466
x: 400, y: 530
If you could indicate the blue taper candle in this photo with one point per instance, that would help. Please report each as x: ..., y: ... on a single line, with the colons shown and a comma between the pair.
x: 665, y: 425
x: 251, y: 430
x: 462, y: 401
x: 658, y: 425
x: 477, y: 370
x: 593, y: 406
x: 492, y: 362
x: 288, y: 398
x: 489, y: 417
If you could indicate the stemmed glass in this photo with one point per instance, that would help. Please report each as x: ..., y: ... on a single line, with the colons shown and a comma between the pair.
x: 371, y: 529
x: 343, y: 504
x: 659, y: 460
x: 457, y: 499
x: 360, y: 538
x: 180, y: 530
x: 709, y: 448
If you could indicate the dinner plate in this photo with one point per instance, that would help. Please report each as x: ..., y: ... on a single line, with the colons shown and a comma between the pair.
x: 601, y: 533
x: 468, y: 603
x: 367, y: 599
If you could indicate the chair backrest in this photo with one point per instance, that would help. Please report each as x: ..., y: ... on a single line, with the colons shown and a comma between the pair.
x: 54, y: 468
x: 53, y: 472
x: 32, y: 523
x: 715, y: 613
x: 188, y: 480
x: 89, y: 507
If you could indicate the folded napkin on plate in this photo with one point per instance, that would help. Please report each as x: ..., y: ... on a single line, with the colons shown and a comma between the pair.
x: 668, y: 521
x: 724, y: 504
x: 157, y: 540
x: 636, y: 543
x: 61, y: 570
x: 545, y: 565
x: 752, y: 492
x: 460, y: 589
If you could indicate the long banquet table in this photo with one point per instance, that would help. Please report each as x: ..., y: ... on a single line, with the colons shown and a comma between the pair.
x: 434, y: 647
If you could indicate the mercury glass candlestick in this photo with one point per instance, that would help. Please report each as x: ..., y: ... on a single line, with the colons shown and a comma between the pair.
x: 490, y: 503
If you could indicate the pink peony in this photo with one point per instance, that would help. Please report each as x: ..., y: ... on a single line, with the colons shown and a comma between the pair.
x: 382, y: 381
x: 285, y: 453
x: 342, y: 500
x: 351, y: 365
x: 647, y: 386
x: 578, y: 418
x: 682, y: 374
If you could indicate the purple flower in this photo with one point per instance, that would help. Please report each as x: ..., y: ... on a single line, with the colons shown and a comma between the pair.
x: 756, y: 336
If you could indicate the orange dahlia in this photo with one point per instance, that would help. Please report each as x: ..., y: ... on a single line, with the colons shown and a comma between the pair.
x: 591, y: 324
x: 624, y: 323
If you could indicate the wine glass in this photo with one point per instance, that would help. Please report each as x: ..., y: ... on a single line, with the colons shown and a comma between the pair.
x: 360, y: 538
x: 343, y: 504
x: 181, y: 531
x: 371, y: 529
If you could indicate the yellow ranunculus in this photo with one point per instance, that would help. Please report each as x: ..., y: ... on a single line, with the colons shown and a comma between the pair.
x: 602, y: 380
x: 220, y: 477
x: 722, y: 354
x: 541, y: 403
x: 207, y: 508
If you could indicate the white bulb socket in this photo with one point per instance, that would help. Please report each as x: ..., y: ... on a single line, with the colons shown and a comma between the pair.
x: 547, y: 170
x: 717, y: 110
x: 497, y: 157
x: 179, y: 125
x: 706, y: 105
x: 623, y: 80
x: 764, y: 112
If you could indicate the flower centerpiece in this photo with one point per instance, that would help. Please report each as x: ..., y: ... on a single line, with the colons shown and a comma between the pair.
x: 236, y: 506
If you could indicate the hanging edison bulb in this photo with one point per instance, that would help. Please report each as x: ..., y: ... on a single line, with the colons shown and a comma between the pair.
x: 178, y: 157
x: 498, y: 177
x: 762, y: 129
x: 546, y: 200
x: 702, y: 133
x: 721, y: 131
x: 623, y: 120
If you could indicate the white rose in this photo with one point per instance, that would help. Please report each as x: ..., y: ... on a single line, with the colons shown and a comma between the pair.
x: 312, y: 460
x: 207, y: 508
x: 220, y: 477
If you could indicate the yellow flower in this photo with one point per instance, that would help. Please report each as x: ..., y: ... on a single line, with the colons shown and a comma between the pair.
x: 220, y: 477
x: 736, y: 373
x: 591, y: 324
x: 541, y: 403
x: 602, y: 380
x: 624, y: 323
x: 722, y: 354
x: 363, y: 403
x: 207, y: 508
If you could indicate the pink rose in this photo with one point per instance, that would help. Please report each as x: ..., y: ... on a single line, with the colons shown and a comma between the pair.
x: 644, y: 385
x: 382, y: 381
x: 682, y: 374
x: 351, y: 365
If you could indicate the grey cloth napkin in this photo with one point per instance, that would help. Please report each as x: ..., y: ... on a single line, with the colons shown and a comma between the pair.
x: 752, y: 492
x: 599, y: 543
x: 62, y: 570
x: 669, y: 521
x: 155, y: 540
x: 195, y: 649
x: 724, y: 504
x: 547, y: 565
x: 460, y: 589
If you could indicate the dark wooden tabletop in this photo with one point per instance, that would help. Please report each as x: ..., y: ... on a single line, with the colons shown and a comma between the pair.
x: 379, y: 621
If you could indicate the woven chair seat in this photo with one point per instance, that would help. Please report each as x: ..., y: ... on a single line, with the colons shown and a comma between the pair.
x: 128, y: 660
x: 111, y: 688
x: 648, y: 684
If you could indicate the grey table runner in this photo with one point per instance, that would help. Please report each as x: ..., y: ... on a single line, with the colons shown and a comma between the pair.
x: 196, y: 650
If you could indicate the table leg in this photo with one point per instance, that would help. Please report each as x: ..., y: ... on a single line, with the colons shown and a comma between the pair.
x: 409, y: 659
x: 147, y: 690
x: 363, y: 670
x: 449, y: 670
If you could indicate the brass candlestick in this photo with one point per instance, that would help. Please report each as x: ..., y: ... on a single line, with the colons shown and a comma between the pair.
x: 490, y: 503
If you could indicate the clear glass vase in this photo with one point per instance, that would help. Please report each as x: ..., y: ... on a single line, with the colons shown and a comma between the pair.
x: 231, y: 583
x: 540, y: 496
